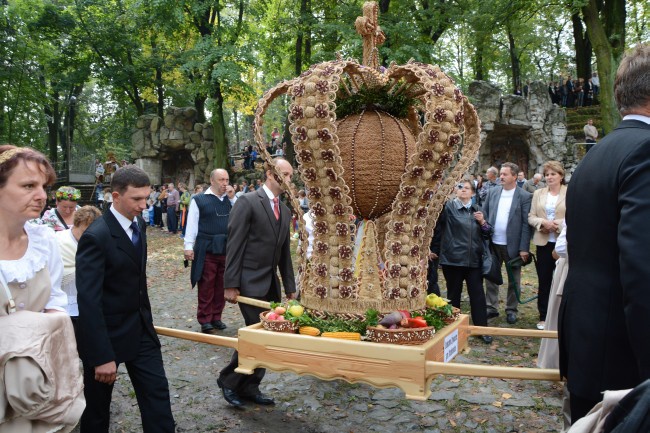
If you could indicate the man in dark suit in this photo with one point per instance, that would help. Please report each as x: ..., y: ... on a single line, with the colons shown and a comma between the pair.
x: 115, y: 321
x: 604, y: 321
x: 258, y: 245
x: 505, y: 210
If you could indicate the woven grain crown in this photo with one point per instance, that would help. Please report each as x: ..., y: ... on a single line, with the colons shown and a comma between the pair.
x: 383, y: 264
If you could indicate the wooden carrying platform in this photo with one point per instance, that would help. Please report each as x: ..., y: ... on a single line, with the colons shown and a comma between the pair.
x: 378, y: 364
x: 411, y: 368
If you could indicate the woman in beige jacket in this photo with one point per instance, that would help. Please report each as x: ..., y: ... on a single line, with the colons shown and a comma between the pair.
x: 547, y: 211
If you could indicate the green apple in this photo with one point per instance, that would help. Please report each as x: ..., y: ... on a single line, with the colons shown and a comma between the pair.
x: 296, y: 310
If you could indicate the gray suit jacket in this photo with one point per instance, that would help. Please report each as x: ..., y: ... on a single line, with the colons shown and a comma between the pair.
x: 257, y: 247
x: 518, y: 231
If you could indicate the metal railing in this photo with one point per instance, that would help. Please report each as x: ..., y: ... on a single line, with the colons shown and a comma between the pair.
x: 81, y: 165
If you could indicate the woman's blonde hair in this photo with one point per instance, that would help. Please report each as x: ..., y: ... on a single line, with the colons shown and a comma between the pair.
x: 85, y: 216
x: 556, y: 166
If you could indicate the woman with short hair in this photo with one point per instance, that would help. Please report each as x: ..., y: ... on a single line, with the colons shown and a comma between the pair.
x: 458, y: 243
x: 547, y: 210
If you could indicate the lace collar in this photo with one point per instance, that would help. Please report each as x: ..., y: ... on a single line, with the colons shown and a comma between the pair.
x: 35, y: 258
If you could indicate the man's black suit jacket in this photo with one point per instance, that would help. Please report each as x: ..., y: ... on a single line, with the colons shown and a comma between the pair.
x: 114, y: 308
x: 604, y: 322
x: 258, y: 246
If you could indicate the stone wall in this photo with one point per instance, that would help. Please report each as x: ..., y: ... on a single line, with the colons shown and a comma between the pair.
x: 174, y: 149
x: 526, y: 130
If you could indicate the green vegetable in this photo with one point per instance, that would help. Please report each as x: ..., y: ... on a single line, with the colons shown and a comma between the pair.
x: 334, y: 324
x: 435, y: 316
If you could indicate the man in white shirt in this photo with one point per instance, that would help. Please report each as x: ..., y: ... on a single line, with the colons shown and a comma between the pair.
x: 205, y: 240
x: 505, y: 211
x: 591, y: 133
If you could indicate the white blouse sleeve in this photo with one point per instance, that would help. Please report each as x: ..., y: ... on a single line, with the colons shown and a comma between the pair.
x: 58, y: 298
x: 560, y: 244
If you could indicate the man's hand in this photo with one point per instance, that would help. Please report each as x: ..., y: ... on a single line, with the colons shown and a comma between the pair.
x: 230, y: 191
x: 189, y: 254
x: 231, y: 295
x: 524, y: 255
x: 293, y: 295
x: 433, y: 256
x: 106, y: 373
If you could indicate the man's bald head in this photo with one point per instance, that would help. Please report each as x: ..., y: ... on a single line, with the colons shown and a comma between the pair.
x: 284, y: 167
x: 219, y: 181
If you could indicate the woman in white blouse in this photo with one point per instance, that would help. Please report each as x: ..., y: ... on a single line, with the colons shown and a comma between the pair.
x: 67, y: 241
x: 546, y: 214
x: 40, y: 385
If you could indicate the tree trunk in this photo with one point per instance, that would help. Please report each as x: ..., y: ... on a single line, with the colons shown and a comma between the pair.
x: 583, y: 48
x: 514, y: 61
x: 607, y: 65
x: 161, y: 94
x: 234, y: 116
x: 307, y: 24
x: 219, y: 125
x: 615, y: 14
x: 300, y: 37
x: 199, y: 104
x: 478, y: 59
x: 289, y: 149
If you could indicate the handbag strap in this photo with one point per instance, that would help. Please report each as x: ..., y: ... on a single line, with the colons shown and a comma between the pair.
x: 11, y: 303
x: 58, y: 215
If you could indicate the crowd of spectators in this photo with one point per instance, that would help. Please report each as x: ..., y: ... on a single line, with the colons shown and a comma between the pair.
x: 575, y: 92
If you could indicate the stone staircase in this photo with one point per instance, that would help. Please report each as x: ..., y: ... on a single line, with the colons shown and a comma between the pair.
x: 576, y: 119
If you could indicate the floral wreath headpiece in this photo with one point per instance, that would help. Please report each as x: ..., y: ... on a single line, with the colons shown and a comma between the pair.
x: 68, y: 193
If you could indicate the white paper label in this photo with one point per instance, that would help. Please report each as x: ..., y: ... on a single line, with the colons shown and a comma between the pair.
x: 451, y: 346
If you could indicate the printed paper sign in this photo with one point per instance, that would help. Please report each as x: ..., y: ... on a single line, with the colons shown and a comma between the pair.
x: 451, y: 346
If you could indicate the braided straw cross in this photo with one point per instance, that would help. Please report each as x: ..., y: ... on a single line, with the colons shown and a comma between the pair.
x: 367, y: 26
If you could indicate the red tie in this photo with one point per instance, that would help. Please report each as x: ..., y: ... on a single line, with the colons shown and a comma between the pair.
x: 276, y: 208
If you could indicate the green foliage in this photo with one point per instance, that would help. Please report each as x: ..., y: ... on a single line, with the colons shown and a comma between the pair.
x: 123, y: 58
x: 378, y: 98
x: 435, y: 316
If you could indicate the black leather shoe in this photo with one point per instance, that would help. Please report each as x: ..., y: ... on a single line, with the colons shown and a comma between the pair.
x: 487, y: 339
x: 511, y: 318
x: 207, y: 328
x: 260, y: 399
x: 492, y: 314
x: 218, y: 324
x: 230, y: 395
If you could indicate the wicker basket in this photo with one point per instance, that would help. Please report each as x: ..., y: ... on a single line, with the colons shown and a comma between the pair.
x: 410, y: 336
x: 277, y: 325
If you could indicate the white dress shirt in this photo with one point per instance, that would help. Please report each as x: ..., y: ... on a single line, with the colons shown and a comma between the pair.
x: 125, y: 223
x: 639, y: 117
x: 503, y: 213
x: 192, y: 224
x: 270, y: 195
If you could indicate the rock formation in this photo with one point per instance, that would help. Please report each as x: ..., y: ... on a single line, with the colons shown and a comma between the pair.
x: 525, y: 130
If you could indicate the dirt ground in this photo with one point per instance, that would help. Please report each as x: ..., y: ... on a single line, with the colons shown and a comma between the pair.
x: 307, y: 404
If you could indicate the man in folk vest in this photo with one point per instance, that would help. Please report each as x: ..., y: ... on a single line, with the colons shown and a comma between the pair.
x: 205, y: 245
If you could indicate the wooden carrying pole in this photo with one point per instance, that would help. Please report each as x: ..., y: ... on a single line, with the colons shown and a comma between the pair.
x: 512, y: 332
x: 198, y: 337
x: 435, y: 367
x: 215, y: 340
x: 254, y: 302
